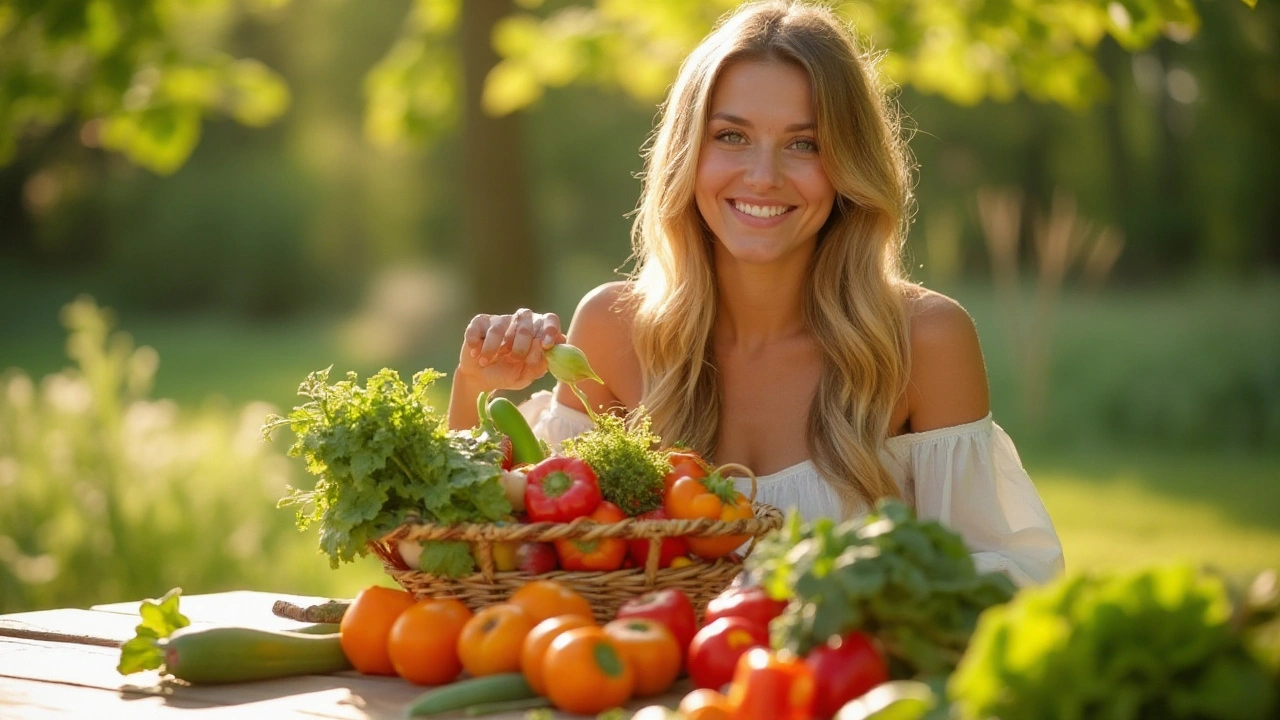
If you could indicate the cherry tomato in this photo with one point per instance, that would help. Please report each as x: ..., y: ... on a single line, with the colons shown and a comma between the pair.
x: 492, y: 639
x: 846, y: 668
x: 423, y: 643
x: 366, y: 626
x: 539, y: 639
x: 585, y: 672
x: 544, y: 599
x: 669, y: 606
x: 714, y: 652
x: 651, y: 650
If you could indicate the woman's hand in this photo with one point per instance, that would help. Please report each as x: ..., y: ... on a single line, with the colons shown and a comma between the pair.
x: 505, y: 352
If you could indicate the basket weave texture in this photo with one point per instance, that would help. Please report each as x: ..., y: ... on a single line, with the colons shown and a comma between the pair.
x: 606, y: 591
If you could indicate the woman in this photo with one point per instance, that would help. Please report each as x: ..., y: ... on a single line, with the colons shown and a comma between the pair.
x: 769, y: 321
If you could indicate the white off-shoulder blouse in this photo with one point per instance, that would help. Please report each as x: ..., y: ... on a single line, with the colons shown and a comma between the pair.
x: 968, y: 477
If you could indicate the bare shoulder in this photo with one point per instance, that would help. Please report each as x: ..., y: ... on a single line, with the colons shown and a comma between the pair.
x: 601, y: 328
x: 948, y: 384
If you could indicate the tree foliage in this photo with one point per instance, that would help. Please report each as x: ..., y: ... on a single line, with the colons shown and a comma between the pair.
x: 144, y: 73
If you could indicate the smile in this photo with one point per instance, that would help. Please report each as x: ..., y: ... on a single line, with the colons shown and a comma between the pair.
x: 761, y: 211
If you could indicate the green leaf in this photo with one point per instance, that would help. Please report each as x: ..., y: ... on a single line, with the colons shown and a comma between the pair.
x: 159, y: 619
x: 447, y: 558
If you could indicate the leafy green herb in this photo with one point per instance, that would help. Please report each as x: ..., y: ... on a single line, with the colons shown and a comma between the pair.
x: 382, y: 453
x: 1152, y: 643
x: 625, y: 461
x: 159, y: 619
x: 911, y: 583
x: 448, y: 558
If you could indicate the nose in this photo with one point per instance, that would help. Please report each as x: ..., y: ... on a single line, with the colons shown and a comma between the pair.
x: 762, y: 171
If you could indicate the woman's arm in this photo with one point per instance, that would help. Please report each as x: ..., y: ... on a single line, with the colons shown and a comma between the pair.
x: 601, y: 328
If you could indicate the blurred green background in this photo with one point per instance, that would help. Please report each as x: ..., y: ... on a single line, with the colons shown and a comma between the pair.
x: 203, y: 201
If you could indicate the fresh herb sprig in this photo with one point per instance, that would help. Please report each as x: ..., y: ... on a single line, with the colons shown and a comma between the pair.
x: 382, y: 453
x: 909, y: 582
x: 623, y: 456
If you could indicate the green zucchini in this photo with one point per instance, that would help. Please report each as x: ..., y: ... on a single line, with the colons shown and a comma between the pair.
x: 506, y: 417
x: 503, y: 687
x: 223, y: 654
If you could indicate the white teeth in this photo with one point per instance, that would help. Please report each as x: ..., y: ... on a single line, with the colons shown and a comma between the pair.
x: 760, y: 211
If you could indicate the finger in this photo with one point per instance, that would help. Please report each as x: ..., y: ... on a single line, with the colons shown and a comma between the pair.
x: 520, y: 333
x: 474, y: 335
x: 551, y: 334
x: 492, y: 346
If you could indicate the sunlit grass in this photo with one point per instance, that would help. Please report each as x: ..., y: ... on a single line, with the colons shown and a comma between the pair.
x: 1117, y: 511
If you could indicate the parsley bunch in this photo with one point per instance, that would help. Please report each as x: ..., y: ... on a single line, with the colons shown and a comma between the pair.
x: 629, y: 469
x: 910, y: 583
x: 381, y: 453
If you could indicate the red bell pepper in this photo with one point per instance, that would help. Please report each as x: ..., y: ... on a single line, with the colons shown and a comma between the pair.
x: 669, y: 549
x: 561, y: 489
x: 602, y: 554
x: 771, y: 686
x: 751, y: 602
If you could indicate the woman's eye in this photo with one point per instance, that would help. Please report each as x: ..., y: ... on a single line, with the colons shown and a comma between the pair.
x: 808, y: 146
x: 731, y: 136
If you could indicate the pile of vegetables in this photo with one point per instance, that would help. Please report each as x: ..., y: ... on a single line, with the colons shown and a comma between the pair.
x: 909, y: 582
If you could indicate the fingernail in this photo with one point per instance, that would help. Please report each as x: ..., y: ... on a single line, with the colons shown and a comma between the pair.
x: 475, y: 353
x: 548, y: 341
x: 482, y: 362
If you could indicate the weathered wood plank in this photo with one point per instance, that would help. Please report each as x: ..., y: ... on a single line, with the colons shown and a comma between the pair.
x: 248, y: 608
x: 48, y: 679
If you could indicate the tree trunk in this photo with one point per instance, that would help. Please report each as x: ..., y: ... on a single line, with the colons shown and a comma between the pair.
x: 501, y: 256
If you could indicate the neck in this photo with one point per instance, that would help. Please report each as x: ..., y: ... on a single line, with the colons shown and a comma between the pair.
x: 760, y: 304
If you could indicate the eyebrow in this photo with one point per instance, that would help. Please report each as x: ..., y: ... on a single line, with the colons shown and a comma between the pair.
x: 735, y: 120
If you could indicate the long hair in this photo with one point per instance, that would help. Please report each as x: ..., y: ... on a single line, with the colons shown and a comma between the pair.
x: 855, y: 304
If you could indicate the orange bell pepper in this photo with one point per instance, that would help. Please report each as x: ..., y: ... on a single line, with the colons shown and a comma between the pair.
x: 712, y: 497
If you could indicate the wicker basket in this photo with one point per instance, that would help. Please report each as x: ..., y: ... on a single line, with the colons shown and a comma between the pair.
x: 606, y: 591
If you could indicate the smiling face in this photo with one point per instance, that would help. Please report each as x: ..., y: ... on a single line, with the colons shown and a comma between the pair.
x: 760, y: 184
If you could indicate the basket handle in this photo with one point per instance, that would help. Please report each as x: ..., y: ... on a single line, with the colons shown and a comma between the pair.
x: 725, y: 469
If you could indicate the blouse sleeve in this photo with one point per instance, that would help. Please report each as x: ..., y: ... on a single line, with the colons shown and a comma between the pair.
x: 551, y: 421
x: 971, y: 479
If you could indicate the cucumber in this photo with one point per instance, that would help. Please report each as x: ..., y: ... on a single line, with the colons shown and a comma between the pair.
x: 503, y: 687
x: 506, y: 417
x: 223, y: 654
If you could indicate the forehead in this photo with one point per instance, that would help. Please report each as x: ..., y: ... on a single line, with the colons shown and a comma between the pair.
x: 764, y: 92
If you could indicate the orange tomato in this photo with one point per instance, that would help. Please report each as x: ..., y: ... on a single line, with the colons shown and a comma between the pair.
x: 539, y: 639
x: 423, y: 643
x: 651, y: 650
x: 544, y: 599
x: 491, y: 640
x: 706, y: 704
x: 366, y: 626
x: 586, y: 673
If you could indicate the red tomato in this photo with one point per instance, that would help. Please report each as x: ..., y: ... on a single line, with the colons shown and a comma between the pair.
x: 669, y: 606
x: 714, y: 652
x: 603, y: 554
x: 752, y: 603
x: 845, y: 668
x: 684, y: 463
x: 669, y: 549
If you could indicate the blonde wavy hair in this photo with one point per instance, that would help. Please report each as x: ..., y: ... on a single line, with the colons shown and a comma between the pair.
x: 855, y: 306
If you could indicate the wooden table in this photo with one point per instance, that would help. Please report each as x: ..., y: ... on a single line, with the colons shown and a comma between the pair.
x: 62, y: 664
